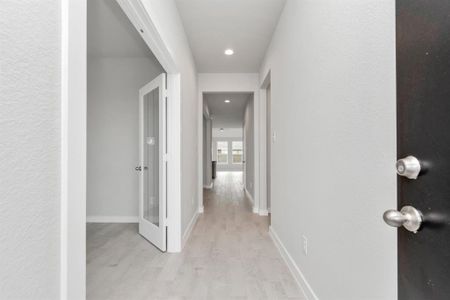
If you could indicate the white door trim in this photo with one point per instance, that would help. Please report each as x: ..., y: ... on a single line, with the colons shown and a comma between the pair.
x: 263, y: 208
x: 73, y: 150
x: 73, y: 138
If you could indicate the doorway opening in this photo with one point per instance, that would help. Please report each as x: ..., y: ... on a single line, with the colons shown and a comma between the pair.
x: 228, y: 146
x: 126, y: 199
x: 75, y: 122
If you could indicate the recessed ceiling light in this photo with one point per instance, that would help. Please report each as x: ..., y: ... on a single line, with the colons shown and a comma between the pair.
x: 229, y: 52
x: 221, y: 129
x: 227, y: 101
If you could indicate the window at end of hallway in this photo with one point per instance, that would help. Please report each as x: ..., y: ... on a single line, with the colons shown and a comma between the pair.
x: 236, y: 150
x: 222, y: 152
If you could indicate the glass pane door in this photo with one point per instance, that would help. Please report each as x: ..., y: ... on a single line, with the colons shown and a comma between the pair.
x: 151, y: 157
x: 152, y: 149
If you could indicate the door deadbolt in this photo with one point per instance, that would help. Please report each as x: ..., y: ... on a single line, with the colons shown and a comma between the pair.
x: 408, y: 217
x: 408, y: 167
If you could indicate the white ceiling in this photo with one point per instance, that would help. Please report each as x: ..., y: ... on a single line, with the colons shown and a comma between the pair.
x: 110, y: 32
x: 243, y: 25
x: 226, y: 115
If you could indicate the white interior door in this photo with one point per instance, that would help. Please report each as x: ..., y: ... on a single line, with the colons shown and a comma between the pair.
x: 152, y: 154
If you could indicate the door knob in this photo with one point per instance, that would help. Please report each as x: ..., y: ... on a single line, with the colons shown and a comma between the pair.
x: 408, y: 217
x: 408, y: 167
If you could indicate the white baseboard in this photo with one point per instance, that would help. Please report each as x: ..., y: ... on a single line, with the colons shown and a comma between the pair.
x: 201, y: 209
x: 263, y: 212
x: 208, y: 187
x: 112, y: 219
x: 298, y: 275
x: 188, y: 231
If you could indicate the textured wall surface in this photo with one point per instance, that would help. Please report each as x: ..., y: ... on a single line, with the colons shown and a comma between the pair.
x: 29, y: 149
x: 333, y: 110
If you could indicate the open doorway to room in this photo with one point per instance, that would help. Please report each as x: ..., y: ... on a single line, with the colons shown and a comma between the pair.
x: 126, y: 148
x: 228, y: 160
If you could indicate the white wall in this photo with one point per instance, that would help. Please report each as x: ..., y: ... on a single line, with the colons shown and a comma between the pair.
x: 113, y: 133
x: 227, y: 132
x: 227, y: 82
x: 30, y: 149
x: 249, y: 148
x: 332, y: 67
x: 168, y: 23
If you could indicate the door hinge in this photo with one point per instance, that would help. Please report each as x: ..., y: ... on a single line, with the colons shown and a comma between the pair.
x: 166, y: 222
x: 165, y: 157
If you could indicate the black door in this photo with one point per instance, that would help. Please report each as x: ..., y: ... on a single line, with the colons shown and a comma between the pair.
x: 423, y: 130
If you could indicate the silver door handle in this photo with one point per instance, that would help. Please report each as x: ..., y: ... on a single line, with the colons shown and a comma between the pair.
x: 408, y: 217
x: 408, y: 167
x: 139, y: 168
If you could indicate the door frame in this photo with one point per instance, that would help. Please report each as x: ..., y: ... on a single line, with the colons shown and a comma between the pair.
x: 237, y: 83
x: 264, y: 142
x: 207, y: 116
x: 73, y: 137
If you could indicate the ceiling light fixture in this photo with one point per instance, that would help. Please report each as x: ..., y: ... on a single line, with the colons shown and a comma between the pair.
x: 227, y: 101
x: 229, y: 52
x: 221, y: 129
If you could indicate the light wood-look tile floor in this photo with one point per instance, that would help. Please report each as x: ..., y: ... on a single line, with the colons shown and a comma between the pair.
x: 228, y: 256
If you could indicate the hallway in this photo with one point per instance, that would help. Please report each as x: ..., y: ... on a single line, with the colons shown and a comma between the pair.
x: 229, y: 255
x: 113, y: 112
